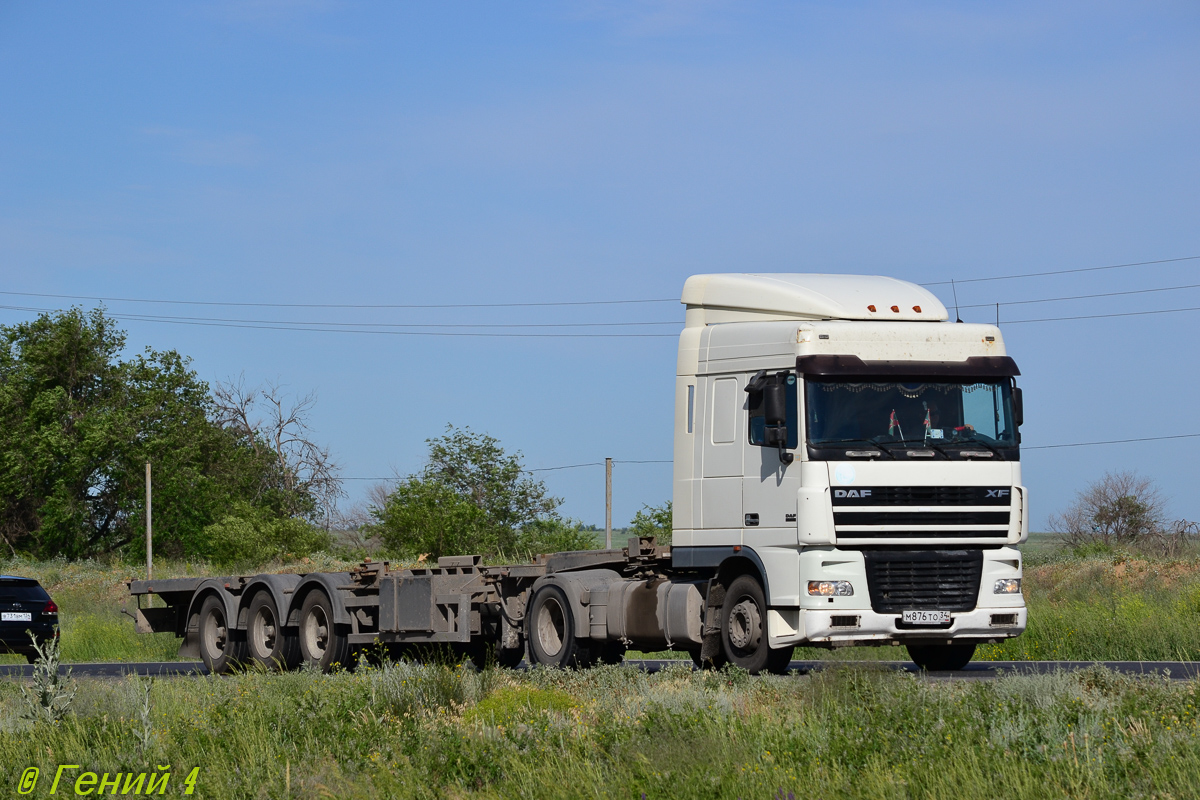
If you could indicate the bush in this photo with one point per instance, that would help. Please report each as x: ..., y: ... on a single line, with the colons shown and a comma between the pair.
x: 653, y: 521
x: 428, y: 517
x: 554, y: 536
x: 471, y: 498
x: 250, y: 535
x: 1122, y: 510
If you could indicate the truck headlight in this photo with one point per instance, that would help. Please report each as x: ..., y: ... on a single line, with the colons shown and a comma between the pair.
x: 830, y: 588
x: 1006, y: 586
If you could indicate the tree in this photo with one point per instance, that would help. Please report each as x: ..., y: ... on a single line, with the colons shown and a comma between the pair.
x: 78, y: 424
x: 653, y: 521
x: 302, y: 480
x: 1122, y: 509
x: 471, y: 497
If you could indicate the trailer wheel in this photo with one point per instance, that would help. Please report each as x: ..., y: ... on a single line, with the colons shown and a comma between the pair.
x: 744, y: 628
x: 268, y: 643
x: 323, y: 643
x: 221, y: 647
x: 941, y: 657
x: 550, y: 629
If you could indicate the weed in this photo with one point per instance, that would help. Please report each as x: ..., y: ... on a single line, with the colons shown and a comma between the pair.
x: 49, y: 699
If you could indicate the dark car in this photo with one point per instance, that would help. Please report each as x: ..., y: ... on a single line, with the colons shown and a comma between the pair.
x: 25, y: 607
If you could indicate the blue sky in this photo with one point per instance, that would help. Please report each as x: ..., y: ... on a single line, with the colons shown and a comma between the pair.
x: 355, y: 153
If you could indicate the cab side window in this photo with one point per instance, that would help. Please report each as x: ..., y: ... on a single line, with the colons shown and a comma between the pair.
x: 758, y: 423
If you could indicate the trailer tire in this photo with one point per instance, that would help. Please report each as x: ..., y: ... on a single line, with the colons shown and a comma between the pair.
x: 744, y: 640
x: 268, y: 643
x: 221, y: 647
x: 323, y: 643
x: 941, y: 657
x: 550, y: 631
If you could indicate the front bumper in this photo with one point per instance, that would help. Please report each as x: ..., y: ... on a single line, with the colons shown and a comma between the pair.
x: 849, y: 627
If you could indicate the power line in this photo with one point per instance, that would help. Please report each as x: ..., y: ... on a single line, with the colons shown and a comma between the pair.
x: 304, y: 327
x: 1062, y: 271
x: 546, y: 469
x: 1114, y: 441
x: 1104, y: 316
x: 1082, y: 296
x: 341, y: 305
x: 173, y: 318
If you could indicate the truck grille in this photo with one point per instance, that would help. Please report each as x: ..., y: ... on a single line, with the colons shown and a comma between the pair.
x: 945, y: 580
x: 951, y: 514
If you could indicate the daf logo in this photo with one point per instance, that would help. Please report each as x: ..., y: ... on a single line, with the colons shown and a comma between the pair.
x: 997, y: 492
x: 851, y: 492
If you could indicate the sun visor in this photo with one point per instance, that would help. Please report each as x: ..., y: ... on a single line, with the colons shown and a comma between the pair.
x: 837, y: 366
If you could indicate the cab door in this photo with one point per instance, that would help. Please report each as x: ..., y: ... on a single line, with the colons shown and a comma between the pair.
x: 769, y: 485
x: 721, y: 460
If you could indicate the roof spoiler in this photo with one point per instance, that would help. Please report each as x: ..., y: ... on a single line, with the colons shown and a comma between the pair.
x: 837, y: 366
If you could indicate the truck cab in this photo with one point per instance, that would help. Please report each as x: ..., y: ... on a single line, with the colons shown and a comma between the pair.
x: 839, y: 439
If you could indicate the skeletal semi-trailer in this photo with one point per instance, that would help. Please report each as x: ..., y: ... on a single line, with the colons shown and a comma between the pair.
x: 847, y: 472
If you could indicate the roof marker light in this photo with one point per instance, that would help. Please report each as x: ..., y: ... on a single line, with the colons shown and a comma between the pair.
x: 917, y: 309
x: 871, y: 309
x: 896, y: 309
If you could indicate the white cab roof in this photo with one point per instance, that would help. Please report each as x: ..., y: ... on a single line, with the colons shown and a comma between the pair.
x: 807, y: 296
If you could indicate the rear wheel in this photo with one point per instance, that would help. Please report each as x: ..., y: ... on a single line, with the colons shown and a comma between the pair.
x: 744, y: 629
x: 941, y: 657
x: 550, y: 630
x: 323, y: 643
x: 268, y: 643
x: 221, y: 647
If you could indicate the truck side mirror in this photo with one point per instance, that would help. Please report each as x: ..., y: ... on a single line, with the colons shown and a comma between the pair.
x: 1018, y: 407
x: 775, y: 416
x: 775, y: 404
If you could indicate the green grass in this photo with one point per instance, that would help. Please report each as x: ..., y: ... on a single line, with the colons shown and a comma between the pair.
x: 439, y: 731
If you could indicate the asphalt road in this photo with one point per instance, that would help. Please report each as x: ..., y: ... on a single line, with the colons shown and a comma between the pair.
x: 977, y: 670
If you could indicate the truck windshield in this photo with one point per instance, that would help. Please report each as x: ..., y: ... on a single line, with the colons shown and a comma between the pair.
x: 932, y: 414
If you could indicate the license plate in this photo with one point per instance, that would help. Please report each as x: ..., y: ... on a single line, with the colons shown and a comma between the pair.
x: 925, y: 617
x: 15, y: 616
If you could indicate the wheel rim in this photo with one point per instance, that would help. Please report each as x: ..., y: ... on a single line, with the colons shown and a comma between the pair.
x: 745, y: 626
x: 263, y: 632
x: 316, y: 633
x: 215, y: 634
x: 551, y: 627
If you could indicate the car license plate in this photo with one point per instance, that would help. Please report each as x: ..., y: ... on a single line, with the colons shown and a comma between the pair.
x: 925, y: 617
x: 15, y: 616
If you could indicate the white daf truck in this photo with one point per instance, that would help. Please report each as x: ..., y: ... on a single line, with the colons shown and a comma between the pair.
x: 846, y: 473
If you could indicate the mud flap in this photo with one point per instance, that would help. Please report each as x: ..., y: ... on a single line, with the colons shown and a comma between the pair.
x: 710, y: 649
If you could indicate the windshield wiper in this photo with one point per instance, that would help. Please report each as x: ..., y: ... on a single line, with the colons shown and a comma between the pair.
x: 867, y: 442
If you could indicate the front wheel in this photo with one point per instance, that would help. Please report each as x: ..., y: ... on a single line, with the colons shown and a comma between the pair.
x: 941, y: 657
x: 744, y: 629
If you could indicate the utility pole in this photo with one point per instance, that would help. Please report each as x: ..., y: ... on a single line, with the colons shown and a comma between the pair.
x: 149, y: 549
x: 608, y: 504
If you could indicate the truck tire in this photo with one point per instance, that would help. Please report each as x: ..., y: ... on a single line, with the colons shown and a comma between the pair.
x: 323, y: 643
x: 941, y: 657
x: 268, y: 643
x: 744, y: 628
x: 550, y: 631
x: 221, y: 647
